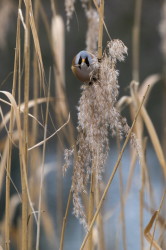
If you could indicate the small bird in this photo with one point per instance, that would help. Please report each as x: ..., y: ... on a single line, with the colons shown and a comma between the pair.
x: 83, y: 66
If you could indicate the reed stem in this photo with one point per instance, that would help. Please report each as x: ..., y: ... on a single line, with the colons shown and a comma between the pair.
x: 136, y: 39
x: 25, y: 135
x: 100, y: 38
x: 64, y: 220
x: 91, y: 209
x: 8, y: 168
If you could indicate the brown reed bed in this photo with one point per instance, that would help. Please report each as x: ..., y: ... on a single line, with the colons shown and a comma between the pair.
x: 26, y: 127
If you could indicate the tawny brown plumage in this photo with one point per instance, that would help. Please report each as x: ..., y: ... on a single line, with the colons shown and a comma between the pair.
x: 83, y: 66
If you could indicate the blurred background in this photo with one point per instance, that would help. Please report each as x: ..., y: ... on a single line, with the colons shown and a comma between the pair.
x: 120, y: 18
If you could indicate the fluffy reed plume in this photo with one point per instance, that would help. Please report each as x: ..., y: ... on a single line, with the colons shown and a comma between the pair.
x: 6, y: 9
x: 58, y: 37
x: 97, y: 116
x: 93, y: 29
x: 69, y: 8
x: 163, y: 29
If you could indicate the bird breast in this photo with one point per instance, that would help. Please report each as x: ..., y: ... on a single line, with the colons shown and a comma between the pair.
x: 82, y: 72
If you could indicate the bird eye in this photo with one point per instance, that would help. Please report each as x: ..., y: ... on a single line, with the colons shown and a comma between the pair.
x: 80, y: 60
x: 87, y: 61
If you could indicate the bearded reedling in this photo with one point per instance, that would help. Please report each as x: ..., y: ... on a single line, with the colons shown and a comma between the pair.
x: 83, y: 66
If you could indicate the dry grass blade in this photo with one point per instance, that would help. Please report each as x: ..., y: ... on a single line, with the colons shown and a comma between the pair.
x: 91, y: 207
x: 130, y: 177
x: 22, y: 18
x: 58, y: 39
x: 31, y: 104
x: 122, y: 200
x: 64, y: 221
x: 61, y: 106
x: 42, y: 173
x: 5, y: 119
x: 100, y: 38
x: 161, y: 203
x: 151, y: 130
x: 96, y: 5
x: 3, y: 163
x: 150, y: 80
x: 42, y: 142
x: 113, y: 173
x: 10, y: 135
x: 18, y: 122
x: 147, y: 233
x: 123, y: 102
x: 136, y: 39
x: 35, y: 35
x: 58, y: 46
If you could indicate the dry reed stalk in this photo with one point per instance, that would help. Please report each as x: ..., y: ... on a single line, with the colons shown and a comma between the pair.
x: 96, y: 5
x: 61, y: 108
x: 92, y: 194
x: 35, y: 154
x: 161, y: 219
x: 154, y: 139
x: 21, y: 107
x: 130, y: 177
x: 147, y: 234
x: 36, y: 44
x: 21, y: 143
x: 19, y: 58
x: 49, y: 137
x: 143, y: 163
x: 136, y: 39
x: 8, y: 174
x: 8, y: 168
x: 48, y: 225
x: 163, y: 50
x: 100, y: 37
x: 3, y: 163
x: 64, y: 220
x: 139, y: 132
x: 90, y: 211
x: 141, y: 194
x: 59, y: 71
x: 122, y: 202
x: 52, y: 45
x: 150, y: 80
x: 100, y: 225
x: 113, y: 173
x: 25, y: 127
x: 157, y: 216
x: 122, y: 212
x: 66, y: 212
x: 149, y: 188
x: 58, y: 47
x: 35, y: 77
x: 42, y: 171
x: 125, y: 101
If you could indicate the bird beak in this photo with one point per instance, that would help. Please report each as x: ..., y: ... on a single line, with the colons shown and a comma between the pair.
x: 83, y: 60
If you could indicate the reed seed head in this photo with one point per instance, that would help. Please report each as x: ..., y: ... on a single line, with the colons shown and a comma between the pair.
x: 69, y: 8
x: 97, y: 116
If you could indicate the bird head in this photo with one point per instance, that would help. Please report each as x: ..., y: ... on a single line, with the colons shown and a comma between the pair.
x: 82, y: 66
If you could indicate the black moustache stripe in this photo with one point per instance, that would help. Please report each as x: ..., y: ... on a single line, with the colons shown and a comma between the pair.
x: 87, y: 61
x: 80, y: 60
